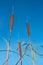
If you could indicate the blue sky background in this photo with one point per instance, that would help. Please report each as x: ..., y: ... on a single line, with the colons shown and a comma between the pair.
x: 24, y: 10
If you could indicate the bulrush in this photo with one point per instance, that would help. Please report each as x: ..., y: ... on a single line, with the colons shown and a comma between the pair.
x: 11, y: 22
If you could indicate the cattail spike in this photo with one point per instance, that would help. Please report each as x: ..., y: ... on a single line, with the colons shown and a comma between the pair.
x: 12, y: 19
x: 28, y: 28
x: 20, y: 51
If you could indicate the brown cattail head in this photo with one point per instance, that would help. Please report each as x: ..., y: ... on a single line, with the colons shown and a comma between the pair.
x: 19, y: 48
x: 7, y: 62
x: 28, y: 28
x: 11, y: 22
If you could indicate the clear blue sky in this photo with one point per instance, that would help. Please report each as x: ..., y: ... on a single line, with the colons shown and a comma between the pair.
x: 24, y: 10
